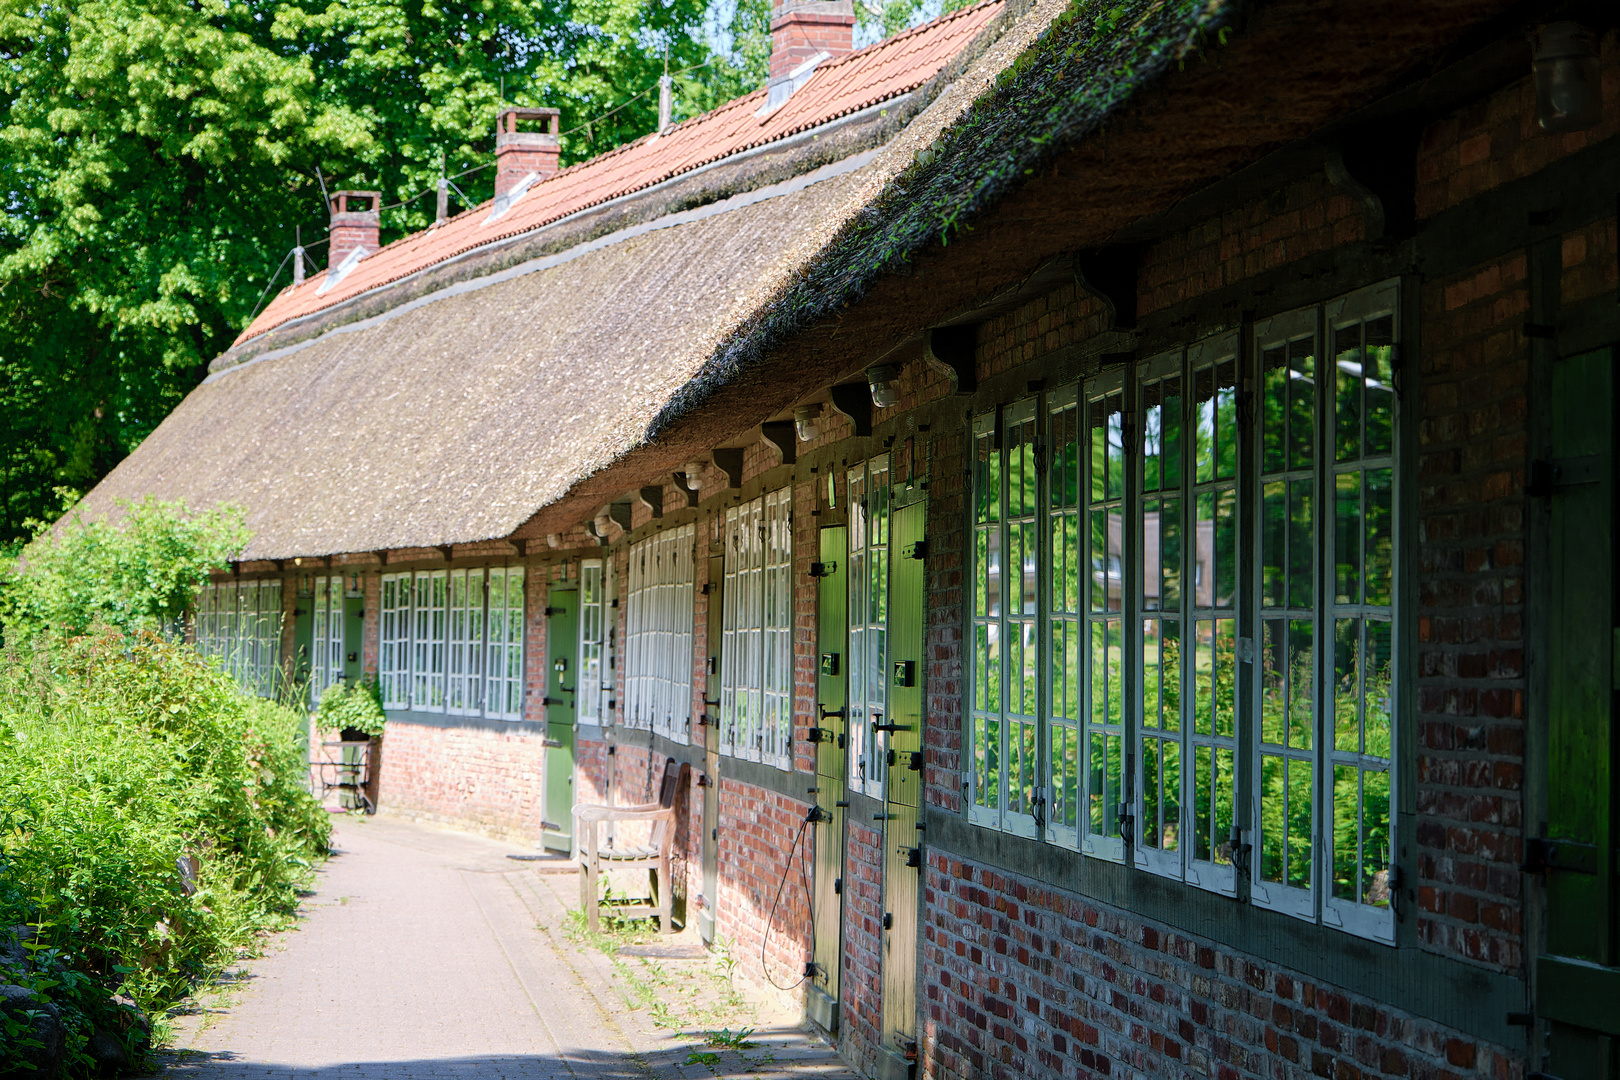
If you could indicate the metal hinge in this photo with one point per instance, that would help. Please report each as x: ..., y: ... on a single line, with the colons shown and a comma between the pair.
x: 1542, y: 855
x: 1546, y: 477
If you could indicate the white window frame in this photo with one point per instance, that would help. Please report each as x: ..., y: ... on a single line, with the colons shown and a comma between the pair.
x: 869, y: 497
x: 428, y: 596
x: 594, y: 612
x: 658, y: 634
x: 394, y: 641
x: 239, y: 623
x: 465, y: 595
x: 326, y: 636
x: 1344, y: 710
x: 1315, y: 902
x: 504, y: 623
x: 756, y: 665
x: 1180, y: 735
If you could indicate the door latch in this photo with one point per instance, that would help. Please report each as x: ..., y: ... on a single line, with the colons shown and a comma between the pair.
x: 914, y: 858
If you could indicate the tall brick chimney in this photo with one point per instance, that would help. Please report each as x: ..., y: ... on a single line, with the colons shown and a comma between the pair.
x: 520, y: 153
x: 804, y: 34
x: 356, y: 219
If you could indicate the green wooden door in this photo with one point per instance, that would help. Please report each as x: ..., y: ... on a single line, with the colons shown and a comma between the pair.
x: 354, y: 637
x: 902, y: 840
x: 303, y: 642
x: 711, y: 751
x: 1578, y: 974
x: 831, y: 743
x: 562, y: 705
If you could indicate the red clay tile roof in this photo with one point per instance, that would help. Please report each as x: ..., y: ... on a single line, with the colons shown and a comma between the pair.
x: 862, y: 79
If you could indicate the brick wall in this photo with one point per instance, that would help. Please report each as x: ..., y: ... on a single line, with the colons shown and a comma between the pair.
x: 861, y: 987
x: 1301, y: 219
x: 1471, y: 462
x: 761, y: 847
x: 1031, y: 330
x: 1023, y: 980
x: 469, y: 778
x: 1497, y: 139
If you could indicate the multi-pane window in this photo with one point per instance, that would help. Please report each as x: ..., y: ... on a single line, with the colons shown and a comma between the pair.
x: 240, y: 623
x: 452, y: 641
x: 868, y: 616
x: 595, y: 641
x: 1325, y: 589
x: 1104, y: 698
x: 464, y: 659
x: 428, y: 596
x: 658, y: 634
x: 327, y: 639
x: 1007, y: 786
x: 1185, y: 648
x: 503, y: 643
x: 756, y: 667
x: 394, y: 641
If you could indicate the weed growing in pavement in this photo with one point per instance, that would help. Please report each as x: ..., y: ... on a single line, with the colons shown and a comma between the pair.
x: 736, y: 1041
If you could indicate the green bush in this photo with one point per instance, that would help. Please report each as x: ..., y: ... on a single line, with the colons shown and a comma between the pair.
x: 153, y: 818
x: 141, y: 573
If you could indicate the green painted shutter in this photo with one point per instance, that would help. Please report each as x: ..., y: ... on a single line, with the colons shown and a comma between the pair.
x: 1578, y: 977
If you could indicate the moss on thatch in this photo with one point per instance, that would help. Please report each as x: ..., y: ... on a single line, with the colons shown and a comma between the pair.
x: 1089, y: 63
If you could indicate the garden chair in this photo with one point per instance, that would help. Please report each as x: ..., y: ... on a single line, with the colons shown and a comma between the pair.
x: 654, y: 854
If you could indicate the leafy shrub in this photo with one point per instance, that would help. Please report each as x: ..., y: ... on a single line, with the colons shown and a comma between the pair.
x: 141, y: 573
x: 153, y: 818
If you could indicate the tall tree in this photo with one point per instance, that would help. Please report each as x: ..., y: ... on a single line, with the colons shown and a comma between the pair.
x: 160, y: 156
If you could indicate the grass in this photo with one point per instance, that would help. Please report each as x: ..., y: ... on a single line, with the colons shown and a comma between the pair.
x: 696, y: 1001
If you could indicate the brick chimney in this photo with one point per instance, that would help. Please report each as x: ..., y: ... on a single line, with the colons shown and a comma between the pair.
x: 805, y: 34
x: 520, y: 153
x: 356, y: 218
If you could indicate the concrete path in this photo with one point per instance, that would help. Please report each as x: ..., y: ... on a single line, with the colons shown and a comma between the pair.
x: 429, y: 954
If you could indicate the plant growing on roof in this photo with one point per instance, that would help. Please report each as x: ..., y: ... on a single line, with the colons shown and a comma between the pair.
x: 356, y: 707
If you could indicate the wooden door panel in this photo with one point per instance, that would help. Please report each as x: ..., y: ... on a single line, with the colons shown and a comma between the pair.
x: 561, y: 705
x: 902, y: 840
x: 1578, y: 975
x: 831, y: 745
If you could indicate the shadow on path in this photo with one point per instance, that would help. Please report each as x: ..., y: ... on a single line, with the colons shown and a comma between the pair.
x: 768, y: 1052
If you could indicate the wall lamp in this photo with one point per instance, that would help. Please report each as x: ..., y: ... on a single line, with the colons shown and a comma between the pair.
x: 807, y: 422
x: 1568, y: 77
x: 693, y: 472
x: 882, y: 379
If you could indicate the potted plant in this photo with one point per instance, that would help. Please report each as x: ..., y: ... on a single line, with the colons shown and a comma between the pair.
x: 355, y: 712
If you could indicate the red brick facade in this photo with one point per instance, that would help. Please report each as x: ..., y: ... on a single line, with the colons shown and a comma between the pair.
x: 1126, y: 973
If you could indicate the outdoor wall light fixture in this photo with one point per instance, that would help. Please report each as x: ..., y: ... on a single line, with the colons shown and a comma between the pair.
x: 807, y: 422
x: 693, y: 471
x: 602, y: 522
x: 1569, y: 77
x: 882, y: 379
x: 553, y: 540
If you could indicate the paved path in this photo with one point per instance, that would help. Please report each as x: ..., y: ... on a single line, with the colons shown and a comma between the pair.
x: 428, y: 954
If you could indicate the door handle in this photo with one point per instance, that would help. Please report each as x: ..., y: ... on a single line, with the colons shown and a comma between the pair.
x: 551, y: 744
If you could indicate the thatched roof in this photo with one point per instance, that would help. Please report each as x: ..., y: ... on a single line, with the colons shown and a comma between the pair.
x: 521, y: 400
x: 451, y: 422
x: 454, y: 415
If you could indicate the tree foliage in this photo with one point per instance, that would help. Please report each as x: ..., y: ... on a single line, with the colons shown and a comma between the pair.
x: 160, y: 157
x: 141, y: 573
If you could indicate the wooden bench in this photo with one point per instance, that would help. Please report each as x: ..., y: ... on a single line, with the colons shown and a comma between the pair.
x: 654, y: 854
